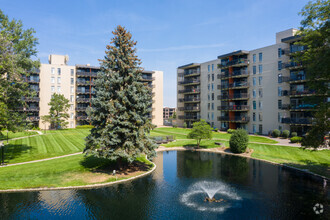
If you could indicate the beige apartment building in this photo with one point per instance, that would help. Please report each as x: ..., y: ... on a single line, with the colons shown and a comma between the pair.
x: 258, y: 90
x: 76, y: 83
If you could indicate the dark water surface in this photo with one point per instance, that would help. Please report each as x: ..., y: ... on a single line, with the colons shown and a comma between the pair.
x: 251, y: 189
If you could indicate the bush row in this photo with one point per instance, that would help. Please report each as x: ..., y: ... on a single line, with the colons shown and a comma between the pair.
x: 285, y: 134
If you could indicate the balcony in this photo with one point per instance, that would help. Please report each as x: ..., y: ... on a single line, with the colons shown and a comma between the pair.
x: 31, y: 99
x: 33, y: 118
x: 285, y: 107
x: 84, y: 83
x: 237, y: 119
x: 190, y: 82
x: 189, y: 73
x: 234, y: 108
x: 191, y: 91
x: 294, y: 49
x: 234, y: 96
x: 303, y: 107
x: 297, y: 78
x: 81, y: 109
x: 189, y: 108
x: 147, y: 78
x: 292, y: 65
x: 301, y: 93
x: 189, y: 117
x: 86, y: 91
x: 298, y: 121
x: 82, y: 118
x: 83, y: 100
x: 28, y: 109
x: 32, y: 80
x: 234, y: 63
x: 34, y: 71
x: 235, y: 85
x: 190, y: 100
x: 86, y: 74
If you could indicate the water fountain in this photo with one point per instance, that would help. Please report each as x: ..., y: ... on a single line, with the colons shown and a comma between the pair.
x: 226, y: 196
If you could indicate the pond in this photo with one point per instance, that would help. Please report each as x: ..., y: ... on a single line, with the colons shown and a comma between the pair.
x: 245, y: 189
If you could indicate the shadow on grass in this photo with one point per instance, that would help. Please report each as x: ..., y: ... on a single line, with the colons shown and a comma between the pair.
x: 13, y: 151
x: 106, y: 166
x: 318, y: 168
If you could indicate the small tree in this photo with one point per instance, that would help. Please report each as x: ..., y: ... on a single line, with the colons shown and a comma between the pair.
x: 239, y: 141
x: 201, y: 130
x: 59, y: 105
x: 285, y: 133
x: 185, y: 125
x: 276, y: 133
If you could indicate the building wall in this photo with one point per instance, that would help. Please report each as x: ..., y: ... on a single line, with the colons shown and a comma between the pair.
x: 179, y: 122
x: 56, y: 62
x: 157, y: 104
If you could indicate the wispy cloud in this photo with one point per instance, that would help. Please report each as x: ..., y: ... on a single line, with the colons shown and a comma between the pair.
x: 184, y: 47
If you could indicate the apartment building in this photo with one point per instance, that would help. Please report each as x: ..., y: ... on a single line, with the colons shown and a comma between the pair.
x: 168, y: 112
x: 76, y: 83
x: 258, y: 90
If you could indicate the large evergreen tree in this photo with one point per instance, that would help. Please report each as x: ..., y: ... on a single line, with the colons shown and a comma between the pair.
x: 17, y: 47
x: 122, y: 105
x: 315, y: 36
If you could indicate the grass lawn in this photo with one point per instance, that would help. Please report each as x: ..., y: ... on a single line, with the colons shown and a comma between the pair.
x: 69, y: 171
x: 3, y: 134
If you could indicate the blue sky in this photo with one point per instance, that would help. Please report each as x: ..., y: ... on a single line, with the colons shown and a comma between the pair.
x: 169, y: 33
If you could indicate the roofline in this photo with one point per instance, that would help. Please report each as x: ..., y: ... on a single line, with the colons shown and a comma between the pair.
x: 237, y: 52
x: 190, y: 65
x: 291, y: 39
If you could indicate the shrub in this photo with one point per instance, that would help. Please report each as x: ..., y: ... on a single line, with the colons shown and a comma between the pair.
x: 239, y: 141
x: 174, y: 126
x: 84, y: 126
x: 215, y: 129
x: 185, y: 125
x: 230, y: 131
x: 296, y: 139
x: 276, y: 133
x: 294, y: 134
x: 285, y: 133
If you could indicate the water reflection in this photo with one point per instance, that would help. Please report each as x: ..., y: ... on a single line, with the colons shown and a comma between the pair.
x: 264, y: 191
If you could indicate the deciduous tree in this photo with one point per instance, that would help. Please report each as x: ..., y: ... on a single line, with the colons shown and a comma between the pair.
x: 201, y: 130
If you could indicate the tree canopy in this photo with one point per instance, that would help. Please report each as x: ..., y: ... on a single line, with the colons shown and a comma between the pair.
x: 201, y: 130
x: 121, y: 108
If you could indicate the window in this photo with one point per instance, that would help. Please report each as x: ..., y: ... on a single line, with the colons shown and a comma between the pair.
x: 212, y: 116
x: 58, y: 79
x: 208, y: 68
x: 254, y: 93
x: 279, y: 65
x: 212, y: 67
x: 260, y: 129
x: 71, y: 107
x: 208, y: 77
x: 72, y: 81
x: 254, y: 129
x: 212, y: 87
x: 279, y: 78
x: 52, y: 70
x: 208, y: 115
x: 254, y: 116
x: 280, y: 127
x: 71, y: 98
x: 279, y: 117
x: 254, y: 81
x: 280, y: 91
x: 260, y: 116
x: 260, y: 105
x: 71, y: 124
x: 72, y: 72
x: 279, y: 52
x: 260, y: 80
x: 59, y: 71
x: 254, y: 69
x: 212, y: 106
x: 72, y: 115
x: 254, y: 105
x: 260, y: 69
x: 208, y: 97
x: 52, y: 88
x: 260, y: 57
x: 208, y: 106
x: 71, y: 89
x: 260, y: 93
x: 212, y: 96
x: 254, y: 58
x: 208, y: 87
x: 52, y: 80
x: 212, y: 77
x: 58, y: 89
x: 279, y: 103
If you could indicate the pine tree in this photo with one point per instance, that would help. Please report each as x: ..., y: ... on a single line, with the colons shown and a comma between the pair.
x: 122, y: 105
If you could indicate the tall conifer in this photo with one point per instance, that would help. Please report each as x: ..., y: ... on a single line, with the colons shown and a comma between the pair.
x: 122, y: 105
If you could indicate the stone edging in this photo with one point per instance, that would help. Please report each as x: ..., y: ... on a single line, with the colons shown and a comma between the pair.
x: 214, y: 150
x: 81, y: 187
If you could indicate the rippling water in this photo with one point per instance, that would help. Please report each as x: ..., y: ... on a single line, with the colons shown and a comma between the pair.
x: 251, y: 190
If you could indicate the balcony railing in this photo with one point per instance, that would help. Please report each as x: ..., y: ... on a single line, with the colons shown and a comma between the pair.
x: 86, y: 91
x: 291, y: 65
x: 83, y: 99
x: 189, y: 108
x: 192, y: 72
x: 301, y: 121
x: 81, y: 108
x: 189, y: 81
x: 86, y: 74
x: 234, y: 96
x: 241, y: 119
x: 82, y: 118
x: 303, y: 106
x: 189, y: 91
x: 84, y: 82
x: 147, y: 78
x: 301, y: 93
x: 32, y: 80
x: 297, y: 77
x: 235, y: 85
x: 285, y: 106
x: 33, y: 118
x: 189, y: 117
x: 31, y: 99
x: 234, y: 108
x: 190, y: 100
x: 237, y: 62
x: 28, y: 109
